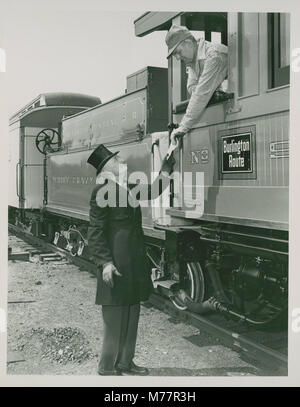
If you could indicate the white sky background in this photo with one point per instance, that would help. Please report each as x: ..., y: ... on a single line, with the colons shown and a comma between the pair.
x: 74, y: 50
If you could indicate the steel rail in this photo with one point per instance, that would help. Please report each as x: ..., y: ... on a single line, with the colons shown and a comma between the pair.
x: 268, y: 356
x: 234, y: 340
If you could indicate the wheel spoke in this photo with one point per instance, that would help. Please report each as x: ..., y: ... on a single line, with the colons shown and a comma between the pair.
x: 52, y: 135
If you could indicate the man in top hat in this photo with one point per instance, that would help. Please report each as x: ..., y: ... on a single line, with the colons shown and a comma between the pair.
x: 207, y: 69
x: 116, y: 243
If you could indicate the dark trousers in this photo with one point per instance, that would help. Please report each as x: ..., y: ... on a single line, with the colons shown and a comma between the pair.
x: 120, y: 333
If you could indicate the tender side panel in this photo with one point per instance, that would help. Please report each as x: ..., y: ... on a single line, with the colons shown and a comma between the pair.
x: 71, y: 179
x: 118, y: 120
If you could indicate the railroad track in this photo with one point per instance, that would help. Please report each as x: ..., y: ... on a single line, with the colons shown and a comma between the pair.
x: 231, y: 336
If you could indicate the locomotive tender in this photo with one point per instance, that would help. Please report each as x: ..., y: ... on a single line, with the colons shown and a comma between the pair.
x: 231, y: 255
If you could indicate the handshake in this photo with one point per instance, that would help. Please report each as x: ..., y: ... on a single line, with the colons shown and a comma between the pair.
x: 169, y: 160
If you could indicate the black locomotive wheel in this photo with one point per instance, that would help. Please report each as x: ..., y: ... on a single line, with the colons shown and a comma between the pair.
x: 193, y: 284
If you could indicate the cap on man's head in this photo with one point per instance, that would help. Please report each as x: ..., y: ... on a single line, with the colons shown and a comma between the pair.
x: 175, y: 36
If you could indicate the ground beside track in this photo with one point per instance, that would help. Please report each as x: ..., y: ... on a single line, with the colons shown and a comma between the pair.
x: 60, y: 331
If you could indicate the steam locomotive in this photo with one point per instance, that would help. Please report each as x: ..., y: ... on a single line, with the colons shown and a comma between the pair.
x: 233, y: 253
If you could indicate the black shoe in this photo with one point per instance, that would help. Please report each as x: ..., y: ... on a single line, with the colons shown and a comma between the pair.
x: 134, y: 370
x: 112, y: 373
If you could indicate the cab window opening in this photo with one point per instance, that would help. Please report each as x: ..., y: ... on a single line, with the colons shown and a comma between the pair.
x: 279, y: 49
x: 208, y: 27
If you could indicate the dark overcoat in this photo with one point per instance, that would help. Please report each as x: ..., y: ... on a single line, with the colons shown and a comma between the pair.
x: 115, y: 235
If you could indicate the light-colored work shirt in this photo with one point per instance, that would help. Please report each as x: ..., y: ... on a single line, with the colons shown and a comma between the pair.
x: 204, y: 77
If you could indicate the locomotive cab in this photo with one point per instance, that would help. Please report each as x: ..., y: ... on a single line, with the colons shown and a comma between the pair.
x: 239, y: 236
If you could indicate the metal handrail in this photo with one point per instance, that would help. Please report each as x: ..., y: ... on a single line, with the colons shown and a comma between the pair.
x: 17, y: 178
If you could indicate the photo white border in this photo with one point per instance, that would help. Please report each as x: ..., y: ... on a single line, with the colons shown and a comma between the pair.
x: 293, y: 378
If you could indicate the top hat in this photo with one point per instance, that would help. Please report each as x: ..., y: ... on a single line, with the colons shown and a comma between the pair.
x: 176, y: 35
x: 100, y: 156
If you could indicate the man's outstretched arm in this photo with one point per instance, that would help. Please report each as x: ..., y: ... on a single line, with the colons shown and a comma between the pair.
x: 214, y: 72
